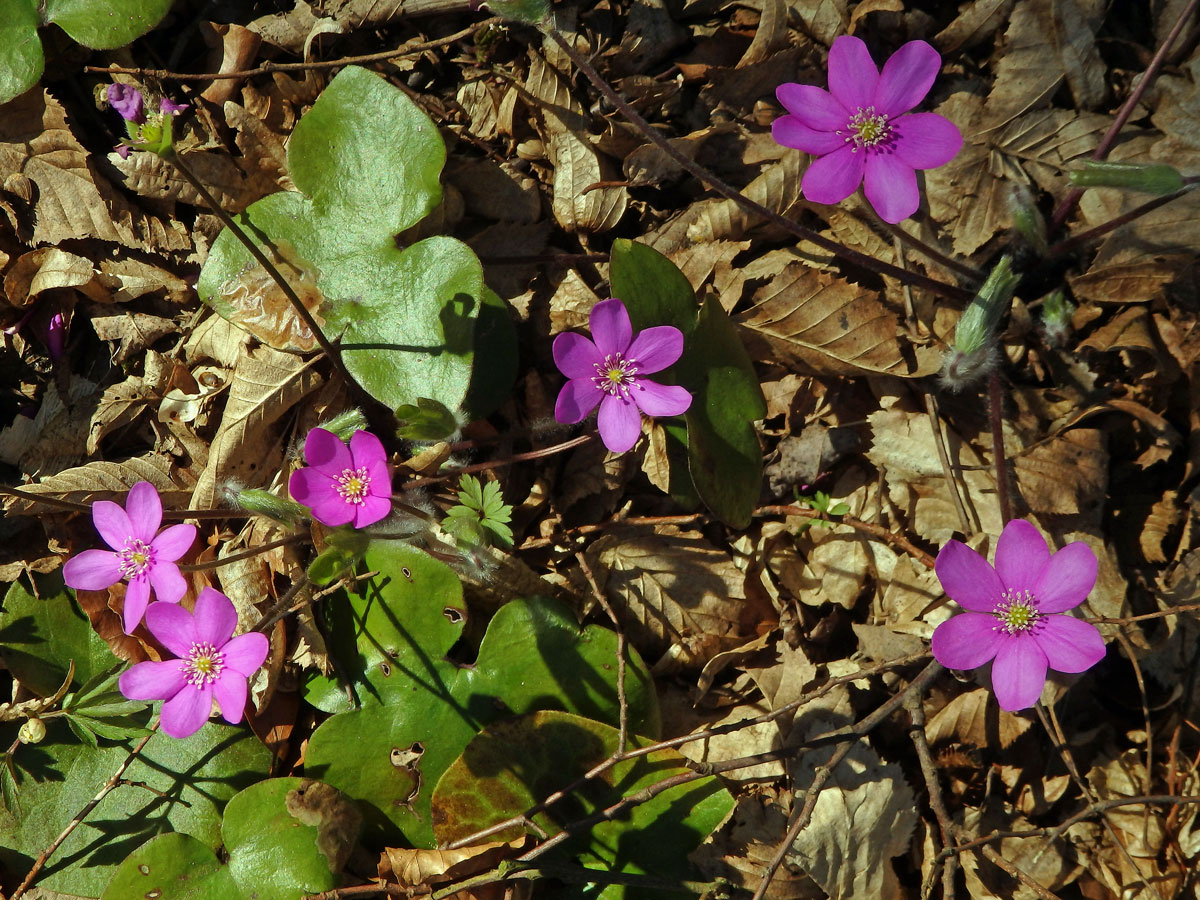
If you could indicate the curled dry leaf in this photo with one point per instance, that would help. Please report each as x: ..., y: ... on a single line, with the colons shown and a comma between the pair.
x: 413, y: 868
x: 103, y: 480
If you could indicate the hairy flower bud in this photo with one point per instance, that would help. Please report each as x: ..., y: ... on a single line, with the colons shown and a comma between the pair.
x: 1152, y: 178
x: 33, y: 731
x: 346, y: 423
x: 974, y: 352
x: 264, y: 503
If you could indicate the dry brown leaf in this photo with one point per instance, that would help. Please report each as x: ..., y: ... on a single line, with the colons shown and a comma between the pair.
x: 825, y: 20
x: 104, y: 480
x: 1045, y: 865
x: 831, y: 327
x: 45, y: 269
x: 132, y: 332
x: 1044, y: 43
x: 413, y: 868
x: 675, y: 594
x: 977, y: 21
x: 73, y: 201
x: 54, y: 437
x: 577, y: 166
x: 495, y: 191
x: 265, y: 385
x: 1161, y: 520
x: 234, y: 183
x: 1066, y: 476
x: 119, y: 406
x: 976, y: 720
x: 127, y: 279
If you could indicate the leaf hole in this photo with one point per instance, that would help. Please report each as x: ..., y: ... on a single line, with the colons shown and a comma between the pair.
x: 454, y: 615
x: 406, y: 572
x: 144, y: 869
x: 385, y: 669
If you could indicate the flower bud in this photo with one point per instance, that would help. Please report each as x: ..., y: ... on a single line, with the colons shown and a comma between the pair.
x: 1151, y: 178
x: 974, y: 352
x: 264, y: 503
x: 1027, y: 218
x: 1056, y: 318
x: 33, y: 731
x: 345, y: 424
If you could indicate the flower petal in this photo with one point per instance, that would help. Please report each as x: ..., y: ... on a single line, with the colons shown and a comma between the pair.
x: 215, y: 618
x: 834, y: 177
x: 325, y: 452
x: 1070, y: 644
x: 185, y: 713
x: 137, y: 598
x: 1019, y: 672
x: 966, y: 641
x: 577, y: 398
x: 144, y: 509
x: 1021, y: 554
x: 853, y: 78
x: 230, y: 692
x: 246, y: 652
x: 153, y: 680
x: 173, y: 542
x: 656, y: 348
x: 172, y: 626
x: 1067, y: 579
x: 112, y: 523
x: 656, y: 399
x: 371, y: 510
x: 906, y: 78
x: 92, y: 570
x: 168, y: 584
x: 611, y: 329
x: 925, y: 140
x: 367, y: 450
x: 967, y: 578
x: 575, y: 355
x: 620, y: 423
x: 813, y: 107
x: 307, y: 483
x: 791, y: 132
x: 891, y: 187
x: 331, y: 509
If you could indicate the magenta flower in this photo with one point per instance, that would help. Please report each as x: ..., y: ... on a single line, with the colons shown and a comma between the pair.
x: 858, y: 130
x: 609, y: 372
x: 140, y: 556
x: 211, y: 664
x: 1013, y: 612
x: 344, y: 485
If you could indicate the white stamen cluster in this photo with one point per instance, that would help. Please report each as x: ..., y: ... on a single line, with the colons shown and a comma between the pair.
x: 203, y: 664
x: 136, y: 557
x: 1017, y: 613
x: 352, y: 485
x: 616, y: 375
x: 867, y: 128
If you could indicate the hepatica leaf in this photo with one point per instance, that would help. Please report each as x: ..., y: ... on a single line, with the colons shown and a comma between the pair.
x: 420, y: 709
x: 367, y: 163
x: 101, y: 26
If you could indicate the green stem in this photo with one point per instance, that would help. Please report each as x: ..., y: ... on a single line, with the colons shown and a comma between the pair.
x: 731, y: 193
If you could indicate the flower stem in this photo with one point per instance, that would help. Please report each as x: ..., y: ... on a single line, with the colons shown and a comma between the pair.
x: 731, y: 193
x: 1068, y: 244
x: 495, y: 464
x: 244, y: 554
x: 932, y: 252
x: 1135, y: 97
x: 228, y: 221
x: 996, y: 416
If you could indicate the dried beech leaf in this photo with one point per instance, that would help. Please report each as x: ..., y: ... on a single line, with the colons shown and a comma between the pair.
x: 976, y: 720
x: 232, y: 184
x: 73, y: 201
x: 976, y: 22
x: 413, y: 868
x: 52, y: 439
x: 266, y: 384
x: 674, y: 594
x: 120, y: 405
x: 103, y: 480
x: 1066, y: 476
x: 831, y: 327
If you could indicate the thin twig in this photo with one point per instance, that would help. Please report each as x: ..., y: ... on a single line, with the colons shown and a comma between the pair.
x: 932, y: 252
x: 913, y: 703
x: 109, y: 786
x: 878, y: 531
x: 1130, y: 104
x: 939, y: 443
x: 997, y: 860
x: 1104, y: 228
x: 622, y: 703
x: 999, y: 455
x: 269, y: 67
x: 732, y: 193
x: 495, y: 464
x: 244, y: 554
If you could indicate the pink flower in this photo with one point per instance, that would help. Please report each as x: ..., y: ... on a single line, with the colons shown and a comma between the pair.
x: 344, y: 485
x: 858, y: 128
x: 210, y: 665
x: 170, y: 108
x: 1013, y: 611
x: 140, y: 556
x: 609, y: 372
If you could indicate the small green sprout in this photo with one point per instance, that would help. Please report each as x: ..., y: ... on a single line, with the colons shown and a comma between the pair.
x: 822, y: 503
x: 481, y: 515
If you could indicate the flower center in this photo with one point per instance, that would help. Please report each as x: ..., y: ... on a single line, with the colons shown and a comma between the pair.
x: 616, y: 375
x: 867, y: 128
x: 203, y: 664
x: 1017, y: 613
x: 136, y: 557
x: 352, y: 485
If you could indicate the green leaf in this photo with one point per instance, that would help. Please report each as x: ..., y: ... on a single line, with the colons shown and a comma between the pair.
x: 653, y: 289
x: 274, y: 843
x: 173, y: 867
x: 368, y: 162
x: 495, y: 368
x: 427, y: 420
x: 40, y: 635
x: 174, y: 785
x: 21, y: 61
x: 107, y: 25
x: 513, y: 765
x: 421, y: 709
x: 724, y: 457
x: 330, y: 564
